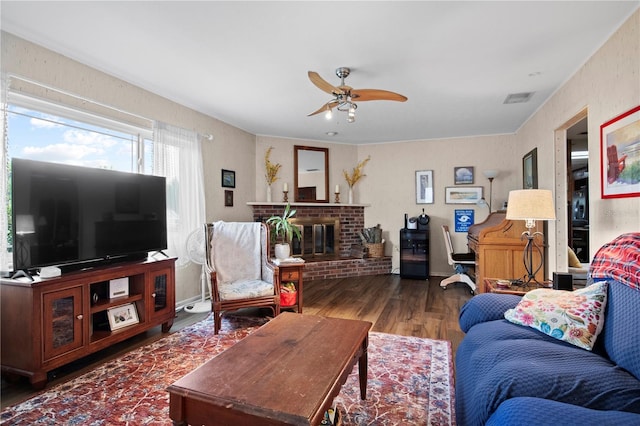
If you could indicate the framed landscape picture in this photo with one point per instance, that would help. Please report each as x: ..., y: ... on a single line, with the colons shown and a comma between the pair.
x: 228, y: 178
x: 462, y: 195
x: 620, y: 155
x: 463, y: 175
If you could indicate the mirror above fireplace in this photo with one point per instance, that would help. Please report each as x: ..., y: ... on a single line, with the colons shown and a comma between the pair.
x: 311, y: 177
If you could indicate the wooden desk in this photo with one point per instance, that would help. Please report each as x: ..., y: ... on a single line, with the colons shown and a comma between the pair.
x: 286, y: 373
x: 490, y: 285
x: 498, y: 245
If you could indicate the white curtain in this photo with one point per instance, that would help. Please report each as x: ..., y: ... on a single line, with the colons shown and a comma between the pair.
x: 5, y: 258
x: 178, y: 157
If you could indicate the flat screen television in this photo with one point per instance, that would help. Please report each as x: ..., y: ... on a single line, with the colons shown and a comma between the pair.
x: 71, y: 216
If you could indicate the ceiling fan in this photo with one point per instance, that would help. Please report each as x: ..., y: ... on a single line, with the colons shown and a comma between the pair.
x: 345, y: 96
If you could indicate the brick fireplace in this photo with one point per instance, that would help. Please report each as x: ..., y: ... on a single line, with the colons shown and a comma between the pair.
x: 341, y: 264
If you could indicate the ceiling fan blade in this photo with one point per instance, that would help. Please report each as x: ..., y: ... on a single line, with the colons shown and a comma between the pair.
x: 376, y: 95
x: 323, y: 108
x: 322, y: 84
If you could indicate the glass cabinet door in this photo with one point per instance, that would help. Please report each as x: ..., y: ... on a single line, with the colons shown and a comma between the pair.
x: 161, y: 281
x: 63, y: 319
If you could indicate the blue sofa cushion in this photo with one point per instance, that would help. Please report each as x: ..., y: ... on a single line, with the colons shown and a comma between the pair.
x: 544, y: 412
x: 498, y: 360
x: 618, y: 262
x: 621, y: 332
x: 486, y: 307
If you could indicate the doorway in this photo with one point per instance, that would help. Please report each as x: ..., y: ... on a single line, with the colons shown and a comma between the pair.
x: 578, y: 189
x: 562, y: 228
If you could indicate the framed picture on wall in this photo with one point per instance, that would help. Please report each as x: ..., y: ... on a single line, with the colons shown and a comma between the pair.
x: 462, y: 194
x: 619, y: 156
x: 228, y: 178
x: 228, y: 198
x: 424, y: 187
x: 463, y: 175
x: 530, y: 170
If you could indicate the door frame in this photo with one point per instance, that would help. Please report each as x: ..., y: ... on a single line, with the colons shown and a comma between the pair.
x: 561, y: 188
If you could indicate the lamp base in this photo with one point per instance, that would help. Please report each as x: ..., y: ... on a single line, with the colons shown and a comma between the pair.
x: 527, y: 258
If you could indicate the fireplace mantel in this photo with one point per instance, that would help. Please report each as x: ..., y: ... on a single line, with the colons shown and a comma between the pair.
x: 264, y: 203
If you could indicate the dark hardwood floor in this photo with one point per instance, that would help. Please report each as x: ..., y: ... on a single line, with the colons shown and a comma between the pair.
x: 394, y: 305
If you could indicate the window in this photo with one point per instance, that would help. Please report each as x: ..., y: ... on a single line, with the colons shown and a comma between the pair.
x: 43, y: 131
x: 42, y: 123
x: 36, y: 135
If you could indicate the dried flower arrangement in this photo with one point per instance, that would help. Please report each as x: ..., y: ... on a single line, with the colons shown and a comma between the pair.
x: 272, y: 169
x: 357, y: 174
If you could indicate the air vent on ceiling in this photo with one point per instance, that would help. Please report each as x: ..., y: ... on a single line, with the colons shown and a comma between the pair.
x: 518, y: 98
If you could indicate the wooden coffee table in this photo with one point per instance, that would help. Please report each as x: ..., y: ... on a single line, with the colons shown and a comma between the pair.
x: 285, y: 373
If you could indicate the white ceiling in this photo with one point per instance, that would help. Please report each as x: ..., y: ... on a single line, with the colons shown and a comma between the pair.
x: 246, y: 63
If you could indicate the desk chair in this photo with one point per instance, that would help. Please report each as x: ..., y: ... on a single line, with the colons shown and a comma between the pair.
x: 461, y: 263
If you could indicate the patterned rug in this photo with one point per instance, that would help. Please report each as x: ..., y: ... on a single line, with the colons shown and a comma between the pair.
x: 410, y: 382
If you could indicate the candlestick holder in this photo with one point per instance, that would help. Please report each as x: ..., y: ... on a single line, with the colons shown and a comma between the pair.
x: 337, y: 200
x: 285, y: 196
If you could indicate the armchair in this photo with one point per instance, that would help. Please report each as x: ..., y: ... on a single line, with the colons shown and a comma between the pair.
x: 237, y: 262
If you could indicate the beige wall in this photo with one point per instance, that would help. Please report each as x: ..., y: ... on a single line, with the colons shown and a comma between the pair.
x: 340, y: 157
x: 608, y: 84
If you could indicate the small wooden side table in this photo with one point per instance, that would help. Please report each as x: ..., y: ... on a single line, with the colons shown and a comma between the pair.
x: 491, y: 286
x: 292, y: 272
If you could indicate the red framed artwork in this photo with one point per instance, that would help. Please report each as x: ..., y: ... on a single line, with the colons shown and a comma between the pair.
x: 620, y: 156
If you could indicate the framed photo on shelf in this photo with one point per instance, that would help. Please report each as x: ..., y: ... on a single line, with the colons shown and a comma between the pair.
x: 619, y: 158
x: 463, y: 175
x: 424, y: 187
x: 122, y: 316
x: 228, y: 178
x: 228, y: 198
x: 530, y: 170
x: 462, y: 195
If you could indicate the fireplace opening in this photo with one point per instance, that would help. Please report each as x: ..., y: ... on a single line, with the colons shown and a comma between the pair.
x: 319, y: 238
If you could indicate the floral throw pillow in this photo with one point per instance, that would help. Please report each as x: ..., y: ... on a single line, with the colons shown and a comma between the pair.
x: 575, y: 317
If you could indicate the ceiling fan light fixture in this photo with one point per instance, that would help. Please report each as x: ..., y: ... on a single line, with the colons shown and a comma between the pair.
x: 329, y: 114
x: 351, y: 115
x: 344, y: 95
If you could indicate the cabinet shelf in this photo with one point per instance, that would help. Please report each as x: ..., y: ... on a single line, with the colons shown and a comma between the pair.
x: 64, y: 324
x: 103, y: 305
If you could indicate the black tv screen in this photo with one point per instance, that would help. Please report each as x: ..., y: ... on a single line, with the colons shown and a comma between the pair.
x: 70, y: 215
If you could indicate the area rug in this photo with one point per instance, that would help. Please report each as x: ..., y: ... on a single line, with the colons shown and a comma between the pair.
x: 410, y: 382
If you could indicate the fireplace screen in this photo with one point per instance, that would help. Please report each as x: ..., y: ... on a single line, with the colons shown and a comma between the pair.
x: 318, y: 237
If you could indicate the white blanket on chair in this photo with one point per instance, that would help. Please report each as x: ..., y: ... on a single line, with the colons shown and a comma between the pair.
x: 235, y: 251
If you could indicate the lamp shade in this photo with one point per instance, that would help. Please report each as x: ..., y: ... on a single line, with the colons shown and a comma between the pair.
x: 24, y: 224
x: 532, y: 204
x: 490, y: 174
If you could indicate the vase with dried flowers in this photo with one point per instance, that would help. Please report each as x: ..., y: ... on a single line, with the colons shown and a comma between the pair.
x: 271, y: 171
x: 355, y: 176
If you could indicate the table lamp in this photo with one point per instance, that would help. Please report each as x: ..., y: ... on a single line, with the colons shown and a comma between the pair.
x: 531, y: 205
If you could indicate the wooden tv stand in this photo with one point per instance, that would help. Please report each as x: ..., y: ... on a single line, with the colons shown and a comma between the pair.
x: 47, y: 323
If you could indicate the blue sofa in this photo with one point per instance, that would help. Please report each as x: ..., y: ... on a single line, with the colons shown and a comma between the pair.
x: 510, y: 374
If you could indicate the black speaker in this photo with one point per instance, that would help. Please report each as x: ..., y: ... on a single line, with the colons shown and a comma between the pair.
x: 562, y: 281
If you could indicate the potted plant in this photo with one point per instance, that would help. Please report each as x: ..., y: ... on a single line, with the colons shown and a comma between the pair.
x: 283, y: 231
